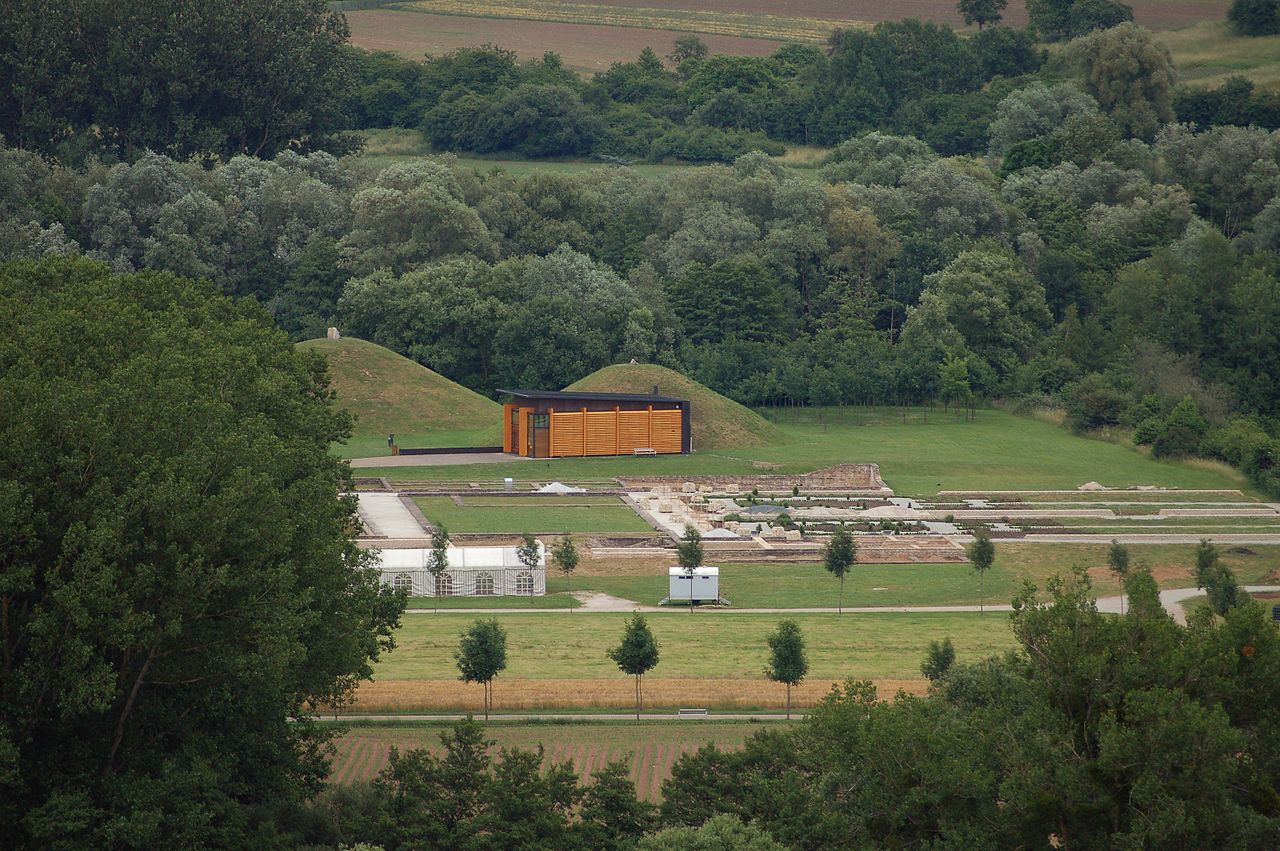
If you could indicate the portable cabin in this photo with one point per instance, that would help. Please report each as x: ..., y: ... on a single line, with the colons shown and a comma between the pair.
x: 566, y: 423
x: 702, y: 585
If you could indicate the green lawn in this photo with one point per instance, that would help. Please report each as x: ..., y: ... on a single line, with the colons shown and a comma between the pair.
x: 529, y: 514
x: 704, y: 644
x: 999, y: 451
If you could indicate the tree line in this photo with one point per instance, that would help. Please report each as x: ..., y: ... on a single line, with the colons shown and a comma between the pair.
x: 89, y: 78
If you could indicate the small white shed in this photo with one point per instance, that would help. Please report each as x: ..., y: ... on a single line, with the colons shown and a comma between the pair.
x: 702, y: 584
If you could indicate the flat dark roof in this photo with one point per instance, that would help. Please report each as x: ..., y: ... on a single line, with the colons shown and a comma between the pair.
x: 555, y: 395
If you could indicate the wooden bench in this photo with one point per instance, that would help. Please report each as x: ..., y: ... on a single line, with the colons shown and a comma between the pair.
x: 644, y: 450
x: 691, y: 713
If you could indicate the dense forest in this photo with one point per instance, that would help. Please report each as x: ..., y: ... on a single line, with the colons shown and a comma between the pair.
x: 1095, y: 256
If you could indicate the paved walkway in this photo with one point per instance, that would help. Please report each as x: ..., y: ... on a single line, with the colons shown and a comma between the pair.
x: 1171, y: 599
x: 385, y: 515
x: 436, y: 460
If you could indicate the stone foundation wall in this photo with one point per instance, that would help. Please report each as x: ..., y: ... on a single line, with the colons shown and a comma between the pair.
x: 842, y: 477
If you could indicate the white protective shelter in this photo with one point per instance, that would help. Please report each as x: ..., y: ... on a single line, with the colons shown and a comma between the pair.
x: 702, y: 585
x: 472, y: 572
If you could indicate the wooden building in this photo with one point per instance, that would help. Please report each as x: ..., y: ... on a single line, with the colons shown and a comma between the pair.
x: 562, y: 424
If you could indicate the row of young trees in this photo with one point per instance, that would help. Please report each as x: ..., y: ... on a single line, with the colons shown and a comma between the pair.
x: 482, y: 655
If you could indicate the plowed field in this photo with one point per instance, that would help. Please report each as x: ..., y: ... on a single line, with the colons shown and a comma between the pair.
x: 582, y: 47
x: 651, y: 748
x: 591, y: 35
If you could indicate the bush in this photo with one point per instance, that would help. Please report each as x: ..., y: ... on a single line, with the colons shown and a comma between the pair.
x: 711, y: 144
x: 1092, y: 402
x: 1183, y: 432
x: 942, y: 655
x: 1255, y: 17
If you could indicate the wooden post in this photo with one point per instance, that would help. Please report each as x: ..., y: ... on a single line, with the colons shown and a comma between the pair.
x: 649, y: 429
x: 586, y: 423
x: 551, y: 433
x: 617, y: 427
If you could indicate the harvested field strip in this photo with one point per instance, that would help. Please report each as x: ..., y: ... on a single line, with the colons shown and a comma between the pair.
x: 742, y: 24
x: 650, y: 748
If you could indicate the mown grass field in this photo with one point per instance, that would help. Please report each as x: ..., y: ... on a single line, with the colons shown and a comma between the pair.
x: 535, y: 515
x: 651, y: 747
x: 1208, y: 53
x: 702, y: 645
x: 998, y: 451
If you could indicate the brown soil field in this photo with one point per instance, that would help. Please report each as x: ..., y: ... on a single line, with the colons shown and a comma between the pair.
x: 588, y: 48
x: 651, y: 748
x: 659, y: 693
x: 1153, y: 14
x: 582, y: 47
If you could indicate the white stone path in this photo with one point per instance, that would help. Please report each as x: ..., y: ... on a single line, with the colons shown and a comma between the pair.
x: 385, y: 516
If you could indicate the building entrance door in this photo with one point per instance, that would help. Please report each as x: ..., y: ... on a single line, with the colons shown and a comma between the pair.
x: 540, y: 435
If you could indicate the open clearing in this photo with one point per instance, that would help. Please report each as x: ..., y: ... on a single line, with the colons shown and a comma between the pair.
x: 1207, y: 54
x: 651, y: 748
x: 707, y: 659
x: 998, y: 451
x: 532, y: 514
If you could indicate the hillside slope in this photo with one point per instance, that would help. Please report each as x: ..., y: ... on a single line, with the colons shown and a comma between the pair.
x: 390, y: 393
x: 717, y: 420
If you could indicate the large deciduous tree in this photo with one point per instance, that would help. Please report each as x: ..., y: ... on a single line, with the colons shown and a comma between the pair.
x: 1130, y: 74
x: 216, y: 79
x: 981, y: 12
x: 179, y: 583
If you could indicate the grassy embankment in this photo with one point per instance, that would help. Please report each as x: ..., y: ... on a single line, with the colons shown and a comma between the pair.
x: 390, y: 394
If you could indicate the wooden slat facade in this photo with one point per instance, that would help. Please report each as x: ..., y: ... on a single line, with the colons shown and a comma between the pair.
x: 558, y: 428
